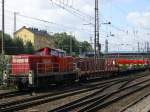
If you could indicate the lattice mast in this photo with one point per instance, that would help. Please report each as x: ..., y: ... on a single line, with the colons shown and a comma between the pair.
x: 97, y: 45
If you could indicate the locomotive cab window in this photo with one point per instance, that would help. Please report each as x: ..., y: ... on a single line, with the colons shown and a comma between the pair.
x: 57, y: 52
x: 54, y: 53
x: 62, y: 54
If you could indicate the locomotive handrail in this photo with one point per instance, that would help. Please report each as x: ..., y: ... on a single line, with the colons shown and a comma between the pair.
x: 47, y: 68
x: 54, y: 67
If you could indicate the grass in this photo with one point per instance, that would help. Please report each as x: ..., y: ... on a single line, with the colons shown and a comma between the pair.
x: 5, y: 87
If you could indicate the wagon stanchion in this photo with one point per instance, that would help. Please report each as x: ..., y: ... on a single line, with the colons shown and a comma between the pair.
x: 37, y: 74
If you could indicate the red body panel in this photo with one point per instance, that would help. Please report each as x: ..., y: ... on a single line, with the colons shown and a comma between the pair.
x: 37, y: 63
x: 127, y: 61
x: 22, y: 64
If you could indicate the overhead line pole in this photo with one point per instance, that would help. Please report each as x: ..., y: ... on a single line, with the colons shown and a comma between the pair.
x: 138, y: 47
x: 71, y: 44
x: 95, y: 32
x: 96, y: 40
x: 3, y: 27
x: 3, y: 51
x: 15, y: 24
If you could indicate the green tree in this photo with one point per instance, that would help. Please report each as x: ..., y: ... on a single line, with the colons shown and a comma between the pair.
x: 86, y: 46
x: 63, y: 40
x: 29, y: 48
x: 8, y: 43
x: 18, y: 46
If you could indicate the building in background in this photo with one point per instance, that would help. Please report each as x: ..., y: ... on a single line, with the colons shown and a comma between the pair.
x: 39, y: 38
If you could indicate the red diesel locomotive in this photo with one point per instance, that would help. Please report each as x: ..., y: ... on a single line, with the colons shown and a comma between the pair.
x: 49, y: 66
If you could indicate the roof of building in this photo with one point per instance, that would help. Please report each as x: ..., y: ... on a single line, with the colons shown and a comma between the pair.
x: 36, y: 31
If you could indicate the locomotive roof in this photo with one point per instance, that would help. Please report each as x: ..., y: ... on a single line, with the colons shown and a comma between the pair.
x: 28, y: 56
x: 24, y: 55
x: 58, y: 50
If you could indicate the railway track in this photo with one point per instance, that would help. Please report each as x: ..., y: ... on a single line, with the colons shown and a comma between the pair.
x: 99, y: 101
x: 80, y: 102
x: 37, y: 100
x: 135, y: 102
x: 103, y: 102
x: 11, y: 94
x: 17, y: 93
x: 98, y: 105
x: 129, y: 81
x: 16, y: 105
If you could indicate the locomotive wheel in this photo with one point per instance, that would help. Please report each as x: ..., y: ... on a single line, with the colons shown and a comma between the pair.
x: 20, y: 86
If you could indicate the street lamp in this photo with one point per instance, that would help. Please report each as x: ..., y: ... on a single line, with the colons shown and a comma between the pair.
x: 108, y: 23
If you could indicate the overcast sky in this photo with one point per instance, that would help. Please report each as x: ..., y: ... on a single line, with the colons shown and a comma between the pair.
x: 130, y: 19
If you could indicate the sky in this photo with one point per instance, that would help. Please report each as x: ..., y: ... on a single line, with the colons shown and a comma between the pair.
x: 130, y: 20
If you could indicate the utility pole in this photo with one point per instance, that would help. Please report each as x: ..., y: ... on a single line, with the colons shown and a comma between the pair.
x: 147, y: 46
x: 91, y: 41
x: 106, y: 46
x: 138, y: 47
x: 71, y: 44
x: 97, y: 46
x: 3, y: 51
x: 3, y: 27
x: 15, y: 25
x: 80, y: 50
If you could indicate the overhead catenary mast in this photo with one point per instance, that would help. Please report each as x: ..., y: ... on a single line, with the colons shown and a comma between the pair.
x: 15, y: 14
x: 97, y: 45
x: 106, y: 46
x: 3, y: 27
x: 138, y: 47
x: 147, y: 46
